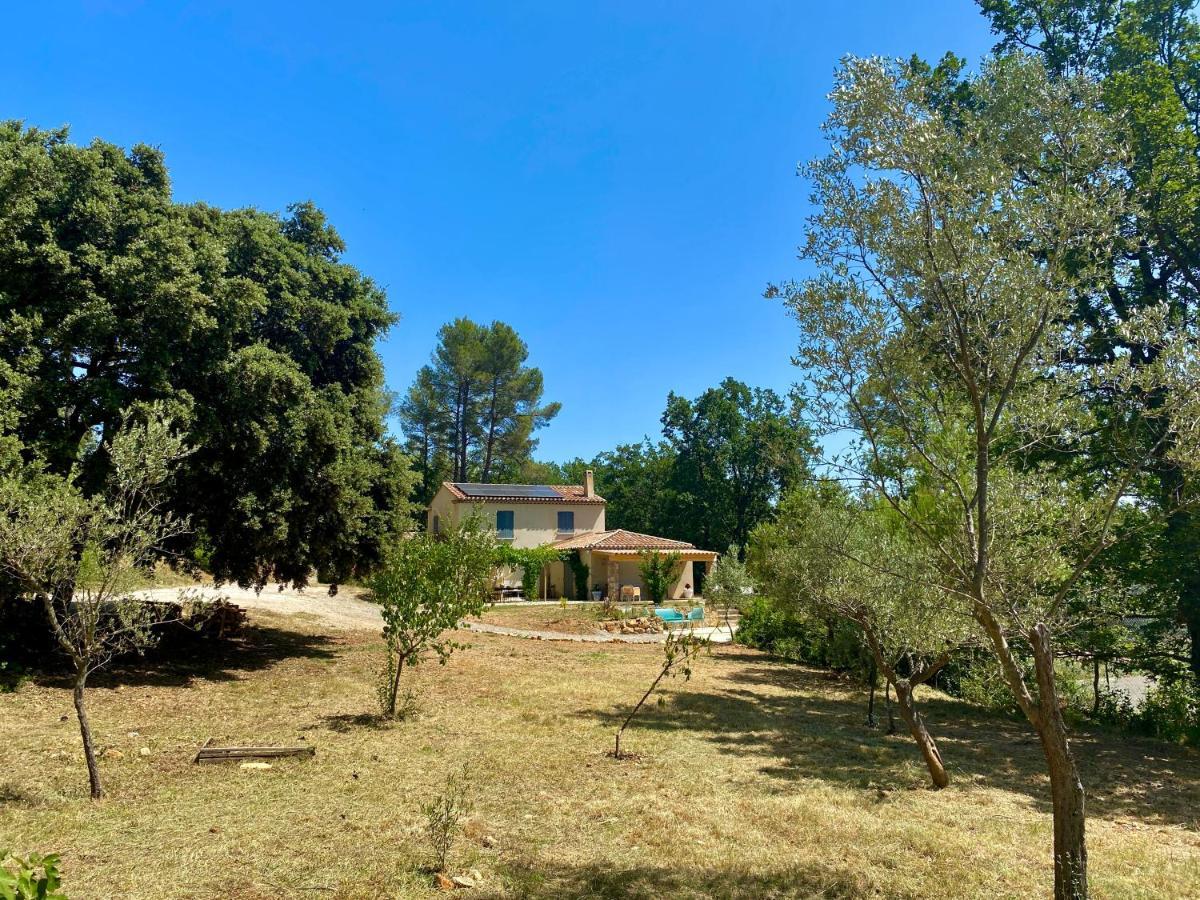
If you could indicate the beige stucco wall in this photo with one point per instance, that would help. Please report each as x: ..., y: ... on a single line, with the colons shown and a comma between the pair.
x: 534, y: 524
x: 442, y: 506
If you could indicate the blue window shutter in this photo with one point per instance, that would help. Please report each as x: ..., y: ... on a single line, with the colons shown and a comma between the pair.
x: 566, y: 522
x: 504, y: 523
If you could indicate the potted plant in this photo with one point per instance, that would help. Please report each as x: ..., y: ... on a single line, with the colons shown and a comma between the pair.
x: 597, y: 592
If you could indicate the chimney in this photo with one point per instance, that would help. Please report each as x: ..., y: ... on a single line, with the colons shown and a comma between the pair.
x: 589, y: 484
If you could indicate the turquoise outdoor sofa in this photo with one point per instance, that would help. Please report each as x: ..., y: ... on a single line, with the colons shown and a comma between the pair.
x: 670, y: 615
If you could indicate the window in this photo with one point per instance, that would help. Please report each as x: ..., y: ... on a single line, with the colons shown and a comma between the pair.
x: 437, y: 525
x: 566, y: 522
x: 504, y: 524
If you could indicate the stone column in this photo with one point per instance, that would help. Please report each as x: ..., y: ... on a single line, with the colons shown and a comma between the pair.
x: 613, y: 588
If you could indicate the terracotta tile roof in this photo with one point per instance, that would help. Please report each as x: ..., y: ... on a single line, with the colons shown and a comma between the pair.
x: 569, y: 493
x: 621, y: 540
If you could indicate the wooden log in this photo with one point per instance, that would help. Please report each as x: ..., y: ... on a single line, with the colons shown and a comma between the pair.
x: 207, y: 754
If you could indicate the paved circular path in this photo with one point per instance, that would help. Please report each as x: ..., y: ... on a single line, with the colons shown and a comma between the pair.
x: 599, y: 638
x: 716, y: 635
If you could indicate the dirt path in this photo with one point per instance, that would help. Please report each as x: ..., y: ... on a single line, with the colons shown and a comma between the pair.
x: 348, y: 612
x: 343, y: 612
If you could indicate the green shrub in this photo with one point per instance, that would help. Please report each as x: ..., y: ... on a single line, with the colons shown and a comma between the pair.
x: 27, y: 645
x: 659, y: 571
x: 1115, y: 708
x: 791, y: 636
x: 33, y: 877
x: 25, y: 640
x: 979, y: 681
x: 1171, y: 711
x: 444, y: 815
x: 1074, y: 689
x: 530, y: 560
x: 581, y: 573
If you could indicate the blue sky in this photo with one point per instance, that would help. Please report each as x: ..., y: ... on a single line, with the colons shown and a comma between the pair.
x: 615, y: 180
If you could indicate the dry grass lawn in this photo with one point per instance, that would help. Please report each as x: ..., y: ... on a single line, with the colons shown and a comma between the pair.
x: 574, y: 618
x: 756, y: 779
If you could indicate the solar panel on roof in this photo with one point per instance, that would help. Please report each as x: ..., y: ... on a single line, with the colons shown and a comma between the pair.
x: 531, y: 491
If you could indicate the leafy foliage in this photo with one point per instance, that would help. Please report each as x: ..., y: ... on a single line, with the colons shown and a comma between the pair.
x: 531, y: 561
x: 444, y: 815
x: 728, y: 584
x: 33, y: 877
x: 737, y: 449
x: 580, y: 574
x: 951, y: 250
x: 1145, y: 57
x: 426, y: 586
x: 246, y: 325
x: 471, y: 413
x: 788, y: 632
x: 659, y: 572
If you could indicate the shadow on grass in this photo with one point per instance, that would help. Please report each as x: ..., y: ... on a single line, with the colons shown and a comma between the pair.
x: 179, y: 663
x: 529, y: 879
x: 11, y: 792
x: 821, y: 736
x: 344, y: 723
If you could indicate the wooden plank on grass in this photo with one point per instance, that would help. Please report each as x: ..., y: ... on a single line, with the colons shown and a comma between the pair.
x: 207, y: 754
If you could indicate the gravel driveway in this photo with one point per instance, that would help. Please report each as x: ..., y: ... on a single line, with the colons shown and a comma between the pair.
x: 347, y: 612
x: 344, y: 612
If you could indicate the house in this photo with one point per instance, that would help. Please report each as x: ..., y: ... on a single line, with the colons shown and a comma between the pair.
x: 570, y: 517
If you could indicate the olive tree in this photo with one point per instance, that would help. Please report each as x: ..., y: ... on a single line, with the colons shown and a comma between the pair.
x: 728, y: 584
x: 834, y: 557
x: 427, y: 585
x: 83, y: 556
x: 950, y: 251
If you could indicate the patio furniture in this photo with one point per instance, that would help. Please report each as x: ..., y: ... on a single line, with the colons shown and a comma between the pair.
x: 631, y: 593
x: 500, y: 593
x: 672, y: 616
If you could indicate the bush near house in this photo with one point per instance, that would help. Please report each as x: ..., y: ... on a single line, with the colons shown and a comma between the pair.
x: 659, y: 571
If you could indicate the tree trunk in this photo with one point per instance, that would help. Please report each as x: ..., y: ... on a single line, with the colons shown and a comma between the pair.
x: 1066, y: 787
x: 85, y: 732
x: 462, y: 438
x: 887, y: 702
x: 395, y: 691
x: 633, y: 712
x: 1181, y: 536
x: 1095, y: 687
x: 491, y: 437
x: 916, y: 725
x: 872, y: 679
